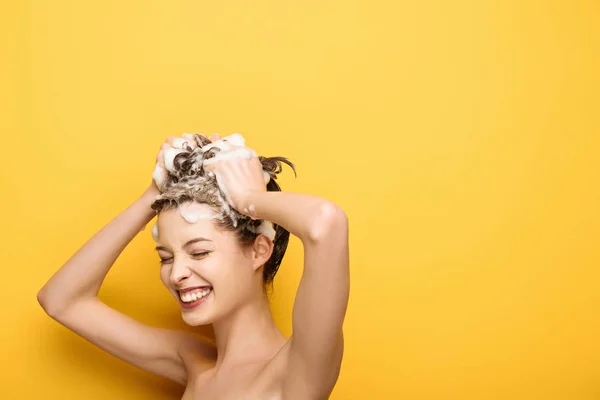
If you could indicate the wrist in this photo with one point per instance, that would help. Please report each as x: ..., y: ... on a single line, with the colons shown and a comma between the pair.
x: 148, y: 197
x: 151, y: 192
x: 249, y: 203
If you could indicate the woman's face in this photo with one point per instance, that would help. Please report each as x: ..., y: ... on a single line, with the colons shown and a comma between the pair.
x: 204, y: 267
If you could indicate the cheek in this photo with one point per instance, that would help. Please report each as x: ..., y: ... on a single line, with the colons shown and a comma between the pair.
x: 235, y: 274
x: 216, y: 272
x: 164, y: 275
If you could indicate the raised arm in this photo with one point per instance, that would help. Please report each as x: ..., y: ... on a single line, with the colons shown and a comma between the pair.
x: 71, y: 298
x: 316, y: 345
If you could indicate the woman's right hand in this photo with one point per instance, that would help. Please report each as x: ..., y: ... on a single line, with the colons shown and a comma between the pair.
x: 168, y: 150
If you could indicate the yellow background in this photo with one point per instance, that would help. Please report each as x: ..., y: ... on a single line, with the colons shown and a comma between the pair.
x: 461, y: 137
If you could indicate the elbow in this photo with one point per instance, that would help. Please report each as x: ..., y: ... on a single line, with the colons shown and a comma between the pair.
x: 46, y: 305
x: 51, y: 307
x: 330, y: 220
x: 43, y: 301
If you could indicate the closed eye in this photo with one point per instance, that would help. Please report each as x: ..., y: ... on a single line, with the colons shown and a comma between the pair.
x: 165, y: 260
x: 168, y: 260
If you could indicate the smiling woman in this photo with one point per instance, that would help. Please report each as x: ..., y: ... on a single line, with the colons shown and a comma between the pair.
x: 222, y: 230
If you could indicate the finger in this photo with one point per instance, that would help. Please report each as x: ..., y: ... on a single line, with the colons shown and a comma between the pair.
x: 159, y: 176
x: 169, y: 157
x: 178, y: 143
x: 222, y: 185
x: 170, y: 140
x: 209, y: 166
x: 160, y: 159
x: 188, y: 137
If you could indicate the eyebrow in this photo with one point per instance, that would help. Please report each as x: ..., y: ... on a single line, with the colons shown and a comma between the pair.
x: 188, y: 243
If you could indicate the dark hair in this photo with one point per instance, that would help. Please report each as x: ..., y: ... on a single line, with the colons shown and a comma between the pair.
x: 188, y: 182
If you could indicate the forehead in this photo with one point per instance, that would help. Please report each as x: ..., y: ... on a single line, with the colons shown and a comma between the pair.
x: 177, y: 225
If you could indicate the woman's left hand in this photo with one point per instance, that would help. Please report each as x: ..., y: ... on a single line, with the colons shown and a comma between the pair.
x: 240, y: 177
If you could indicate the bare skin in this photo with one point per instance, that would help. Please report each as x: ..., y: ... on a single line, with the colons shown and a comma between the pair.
x: 251, y: 358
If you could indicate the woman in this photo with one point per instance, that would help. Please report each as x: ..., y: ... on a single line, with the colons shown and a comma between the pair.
x: 221, y: 234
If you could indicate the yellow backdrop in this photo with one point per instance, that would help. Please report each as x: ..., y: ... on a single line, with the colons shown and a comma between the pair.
x: 461, y: 137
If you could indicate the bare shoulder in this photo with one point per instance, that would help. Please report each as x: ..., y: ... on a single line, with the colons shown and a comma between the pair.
x: 197, y: 352
x: 282, y: 369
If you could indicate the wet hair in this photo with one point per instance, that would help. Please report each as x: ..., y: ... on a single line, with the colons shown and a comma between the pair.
x: 188, y: 182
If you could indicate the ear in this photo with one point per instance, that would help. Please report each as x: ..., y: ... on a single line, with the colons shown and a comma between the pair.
x: 261, y: 251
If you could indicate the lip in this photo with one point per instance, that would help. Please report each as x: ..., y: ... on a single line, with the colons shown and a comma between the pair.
x: 195, y: 303
x: 185, y: 290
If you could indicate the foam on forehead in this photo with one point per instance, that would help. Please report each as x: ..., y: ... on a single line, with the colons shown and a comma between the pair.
x: 194, y: 212
x: 155, y: 231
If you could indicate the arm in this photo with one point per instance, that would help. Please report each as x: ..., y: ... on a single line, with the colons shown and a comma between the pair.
x: 316, y: 345
x: 71, y: 298
x: 317, y: 341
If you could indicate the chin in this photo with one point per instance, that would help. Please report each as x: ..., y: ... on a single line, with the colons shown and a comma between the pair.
x: 193, y: 319
x: 198, y: 316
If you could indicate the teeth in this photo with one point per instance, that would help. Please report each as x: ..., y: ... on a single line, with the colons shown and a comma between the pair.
x: 189, y: 297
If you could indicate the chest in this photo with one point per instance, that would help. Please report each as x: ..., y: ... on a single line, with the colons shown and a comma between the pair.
x: 249, y: 384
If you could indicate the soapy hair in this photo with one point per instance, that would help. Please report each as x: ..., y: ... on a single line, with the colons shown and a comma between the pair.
x: 188, y: 182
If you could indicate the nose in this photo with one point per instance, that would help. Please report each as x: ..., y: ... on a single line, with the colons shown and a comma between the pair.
x: 180, y: 271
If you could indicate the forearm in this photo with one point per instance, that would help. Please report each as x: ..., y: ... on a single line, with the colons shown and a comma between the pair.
x: 83, y: 274
x: 303, y: 215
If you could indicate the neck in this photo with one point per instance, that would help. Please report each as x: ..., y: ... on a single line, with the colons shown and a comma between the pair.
x: 249, y: 335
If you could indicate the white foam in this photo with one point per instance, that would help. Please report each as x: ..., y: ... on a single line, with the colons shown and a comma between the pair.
x: 226, y: 143
x: 252, y: 211
x: 159, y: 175
x: 178, y: 143
x: 236, y: 139
x: 241, y: 153
x: 266, y: 228
x: 169, y: 155
x: 189, y: 137
x: 155, y: 231
x: 194, y: 212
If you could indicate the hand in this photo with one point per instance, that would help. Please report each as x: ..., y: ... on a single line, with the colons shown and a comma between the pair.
x: 239, y: 173
x: 168, y: 150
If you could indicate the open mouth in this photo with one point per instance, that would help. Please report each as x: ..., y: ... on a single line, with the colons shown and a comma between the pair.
x: 193, y: 298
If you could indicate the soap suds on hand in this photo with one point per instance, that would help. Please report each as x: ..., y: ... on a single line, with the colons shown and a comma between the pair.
x: 231, y: 147
x: 228, y: 147
x: 169, y: 155
x: 159, y: 175
x: 252, y: 211
x: 178, y: 143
